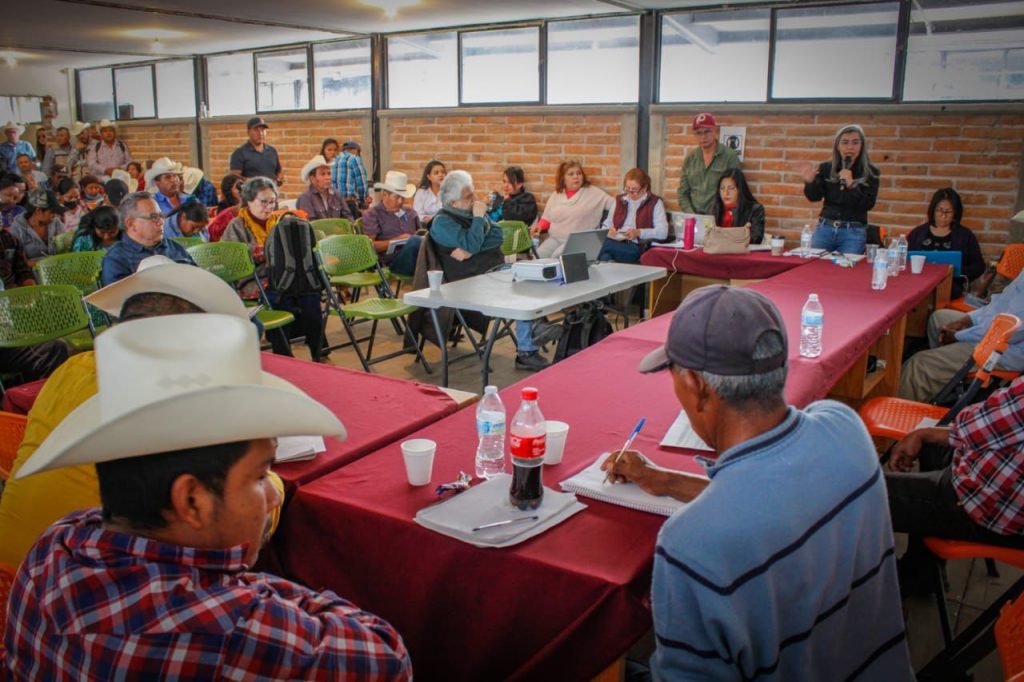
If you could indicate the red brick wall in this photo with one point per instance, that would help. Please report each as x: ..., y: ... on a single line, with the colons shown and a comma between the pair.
x: 149, y: 141
x: 978, y: 155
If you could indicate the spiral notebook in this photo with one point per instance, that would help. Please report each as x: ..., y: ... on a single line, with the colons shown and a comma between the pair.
x: 590, y: 483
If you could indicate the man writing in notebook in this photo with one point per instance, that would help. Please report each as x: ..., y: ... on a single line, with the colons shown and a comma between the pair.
x: 782, y: 567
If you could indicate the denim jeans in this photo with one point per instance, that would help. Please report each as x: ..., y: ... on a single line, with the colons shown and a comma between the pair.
x: 524, y: 336
x: 620, y: 252
x: 849, y: 239
x: 404, y: 262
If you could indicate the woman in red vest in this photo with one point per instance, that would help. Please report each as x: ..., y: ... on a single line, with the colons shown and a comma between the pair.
x: 637, y: 219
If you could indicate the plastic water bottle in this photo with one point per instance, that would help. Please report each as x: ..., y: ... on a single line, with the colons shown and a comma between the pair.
x: 812, y: 320
x: 527, y: 444
x: 893, y: 256
x: 806, y: 235
x: 490, y: 428
x: 901, y: 247
x: 880, y: 271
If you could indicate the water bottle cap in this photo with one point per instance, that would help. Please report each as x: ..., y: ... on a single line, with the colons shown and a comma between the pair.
x: 490, y: 389
x: 812, y: 297
x: 529, y: 393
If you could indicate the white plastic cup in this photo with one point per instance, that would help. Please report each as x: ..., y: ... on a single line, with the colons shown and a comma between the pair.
x: 418, y: 454
x: 871, y: 251
x: 555, y: 442
x: 777, y: 244
x: 916, y: 264
x: 435, y: 277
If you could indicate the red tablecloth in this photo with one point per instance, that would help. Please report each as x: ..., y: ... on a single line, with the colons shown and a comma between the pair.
x: 755, y: 265
x: 563, y: 605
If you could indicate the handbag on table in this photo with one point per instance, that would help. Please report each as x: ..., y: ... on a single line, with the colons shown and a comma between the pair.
x: 725, y: 240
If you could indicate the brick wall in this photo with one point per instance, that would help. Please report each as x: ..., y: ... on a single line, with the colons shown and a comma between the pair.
x: 978, y: 155
x: 484, y: 145
x: 149, y: 141
x: 297, y: 139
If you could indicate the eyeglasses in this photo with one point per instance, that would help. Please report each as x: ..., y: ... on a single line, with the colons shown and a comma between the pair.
x: 633, y: 190
x: 265, y: 202
x: 943, y: 211
x: 151, y: 217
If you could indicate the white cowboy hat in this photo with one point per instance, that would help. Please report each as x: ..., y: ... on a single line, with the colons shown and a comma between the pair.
x: 312, y: 165
x: 159, y: 274
x: 1019, y: 217
x: 125, y: 177
x: 11, y: 125
x: 159, y: 391
x: 398, y: 183
x: 105, y: 123
x: 160, y: 167
x: 77, y: 128
x: 190, y: 177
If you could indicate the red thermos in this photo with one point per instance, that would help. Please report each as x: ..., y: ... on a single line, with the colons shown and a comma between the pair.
x: 688, y: 231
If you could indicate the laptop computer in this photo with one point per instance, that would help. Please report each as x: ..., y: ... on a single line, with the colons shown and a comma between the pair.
x: 701, y: 228
x: 954, y: 258
x: 588, y: 242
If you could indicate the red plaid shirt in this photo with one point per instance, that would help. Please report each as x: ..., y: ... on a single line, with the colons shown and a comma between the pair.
x: 90, y: 604
x: 988, y: 462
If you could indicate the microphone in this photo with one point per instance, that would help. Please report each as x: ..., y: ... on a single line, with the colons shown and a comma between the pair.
x: 847, y: 162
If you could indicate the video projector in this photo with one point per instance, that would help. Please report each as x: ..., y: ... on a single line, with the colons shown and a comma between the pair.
x: 539, y: 270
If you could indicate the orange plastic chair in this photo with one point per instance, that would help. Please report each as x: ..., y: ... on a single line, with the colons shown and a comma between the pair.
x: 6, y: 581
x: 1010, y: 264
x: 12, y: 430
x: 1009, y: 632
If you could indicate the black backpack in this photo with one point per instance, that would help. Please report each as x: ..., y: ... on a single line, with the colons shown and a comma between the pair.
x: 583, y: 326
x: 291, y: 265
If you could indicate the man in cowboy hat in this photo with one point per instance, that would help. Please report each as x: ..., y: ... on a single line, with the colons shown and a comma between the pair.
x: 143, y: 237
x: 196, y: 186
x: 163, y: 180
x: 108, y: 152
x: 159, y: 582
x: 349, y: 177
x: 703, y: 166
x: 390, y: 220
x: 782, y: 566
x: 56, y: 158
x: 320, y: 200
x: 12, y: 146
x: 79, y: 156
x: 255, y: 158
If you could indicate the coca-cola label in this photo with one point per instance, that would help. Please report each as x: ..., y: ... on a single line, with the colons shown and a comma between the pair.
x: 528, y: 447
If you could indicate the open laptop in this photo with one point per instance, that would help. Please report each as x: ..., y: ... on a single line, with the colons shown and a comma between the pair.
x: 703, y: 223
x: 954, y: 258
x: 588, y: 242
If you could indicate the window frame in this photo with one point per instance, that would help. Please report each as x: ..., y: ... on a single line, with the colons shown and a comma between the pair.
x: 308, y: 49
x: 312, y: 67
x: 541, y: 63
x: 152, y: 91
x: 639, y: 47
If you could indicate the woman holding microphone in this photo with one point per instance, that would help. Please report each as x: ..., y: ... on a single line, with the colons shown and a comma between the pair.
x: 848, y: 183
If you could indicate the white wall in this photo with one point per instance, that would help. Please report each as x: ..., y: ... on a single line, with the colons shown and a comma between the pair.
x: 39, y: 81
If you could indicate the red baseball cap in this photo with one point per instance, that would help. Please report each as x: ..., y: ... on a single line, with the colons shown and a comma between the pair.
x: 704, y: 120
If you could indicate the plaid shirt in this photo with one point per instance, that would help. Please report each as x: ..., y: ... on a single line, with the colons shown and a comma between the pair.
x: 91, y: 604
x: 988, y: 462
x: 348, y: 176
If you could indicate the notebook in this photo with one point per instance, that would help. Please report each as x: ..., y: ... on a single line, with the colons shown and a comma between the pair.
x: 682, y: 435
x: 298, y: 448
x: 590, y: 483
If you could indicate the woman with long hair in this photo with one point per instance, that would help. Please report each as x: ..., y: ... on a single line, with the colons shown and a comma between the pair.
x: 329, y: 149
x: 735, y: 206
x: 188, y: 219
x: 98, y: 230
x: 513, y: 202
x: 427, y: 200
x: 943, y: 231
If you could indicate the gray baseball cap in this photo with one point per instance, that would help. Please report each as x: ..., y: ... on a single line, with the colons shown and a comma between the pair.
x: 40, y: 198
x: 715, y: 330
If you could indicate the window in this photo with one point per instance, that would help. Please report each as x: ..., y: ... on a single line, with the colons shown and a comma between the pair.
x: 230, y: 84
x: 594, y: 60
x: 175, y: 89
x: 21, y: 109
x: 134, y: 91
x: 341, y: 72
x: 962, y: 50
x: 423, y: 70
x: 714, y: 56
x: 501, y: 66
x: 283, y: 80
x: 841, y: 51
x: 96, y: 93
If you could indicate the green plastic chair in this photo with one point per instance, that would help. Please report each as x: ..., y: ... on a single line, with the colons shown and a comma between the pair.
x: 342, y: 255
x: 359, y: 226
x: 82, y: 271
x: 517, y: 238
x: 351, y: 261
x: 187, y: 242
x: 328, y: 227
x: 63, y: 242
x: 232, y: 262
x: 36, y: 314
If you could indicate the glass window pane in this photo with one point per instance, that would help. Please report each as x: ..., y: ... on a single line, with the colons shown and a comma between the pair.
x: 23, y: 109
x: 96, y: 92
x: 175, y: 89
x: 230, y: 85
x: 134, y: 92
x: 715, y: 56
x: 341, y: 72
x: 965, y: 50
x: 489, y: 57
x: 843, y: 51
x: 594, y: 60
x: 423, y: 70
x: 283, y: 80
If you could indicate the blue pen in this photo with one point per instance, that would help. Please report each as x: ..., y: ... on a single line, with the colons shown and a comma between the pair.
x: 629, y: 441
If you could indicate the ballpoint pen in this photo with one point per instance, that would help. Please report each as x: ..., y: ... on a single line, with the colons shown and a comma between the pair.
x: 629, y: 441
x: 506, y: 522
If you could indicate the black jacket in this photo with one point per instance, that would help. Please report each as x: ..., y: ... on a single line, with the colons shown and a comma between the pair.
x: 522, y: 206
x: 752, y: 213
x: 848, y: 204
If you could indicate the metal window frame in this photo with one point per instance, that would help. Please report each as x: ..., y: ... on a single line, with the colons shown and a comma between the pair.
x: 152, y: 91
x: 312, y: 82
x: 206, y: 83
x: 305, y: 47
x: 541, y: 96
x: 639, y: 35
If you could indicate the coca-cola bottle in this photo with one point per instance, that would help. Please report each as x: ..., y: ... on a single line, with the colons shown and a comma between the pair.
x: 527, y: 440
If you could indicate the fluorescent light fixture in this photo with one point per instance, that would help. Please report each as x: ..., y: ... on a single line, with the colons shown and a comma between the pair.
x: 390, y: 7
x: 11, y: 57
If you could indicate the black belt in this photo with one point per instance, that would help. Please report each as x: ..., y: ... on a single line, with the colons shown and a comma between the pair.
x: 840, y: 224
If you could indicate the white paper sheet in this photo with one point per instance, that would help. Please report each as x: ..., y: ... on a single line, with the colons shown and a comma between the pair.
x: 682, y: 435
x: 298, y: 448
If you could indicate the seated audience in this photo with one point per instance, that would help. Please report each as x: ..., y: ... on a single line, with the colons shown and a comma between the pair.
x: 951, y: 337
x: 198, y: 187
x: 160, y: 578
x: 320, y: 200
x: 135, y: 172
x: 143, y: 237
x: 188, y: 220
x: 470, y: 244
x: 427, y: 200
x: 943, y: 232
x: 349, y: 177
x: 390, y: 220
x: 10, y: 198
x: 115, y: 190
x: 639, y: 216
x: 12, y: 146
x: 92, y: 191
x: 805, y: 591
x: 27, y: 170
x: 575, y: 206
x: 704, y: 166
x: 98, y: 230
x: 329, y: 149
x: 735, y: 205
x: 227, y: 208
x: 108, y: 153
x: 39, y: 225
x: 164, y: 181
x: 514, y: 202
x: 56, y: 158
x: 78, y: 159
x: 71, y: 199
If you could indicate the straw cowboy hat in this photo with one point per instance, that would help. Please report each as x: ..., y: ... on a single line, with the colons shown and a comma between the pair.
x: 158, y: 392
x: 397, y: 183
x: 105, y: 123
x: 125, y: 177
x: 160, y: 167
x: 11, y: 125
x: 77, y: 128
x: 161, y: 275
x: 190, y: 177
x: 311, y: 165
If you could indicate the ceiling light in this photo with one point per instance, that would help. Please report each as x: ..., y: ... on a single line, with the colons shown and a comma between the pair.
x: 11, y: 57
x: 390, y: 7
x: 153, y: 34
